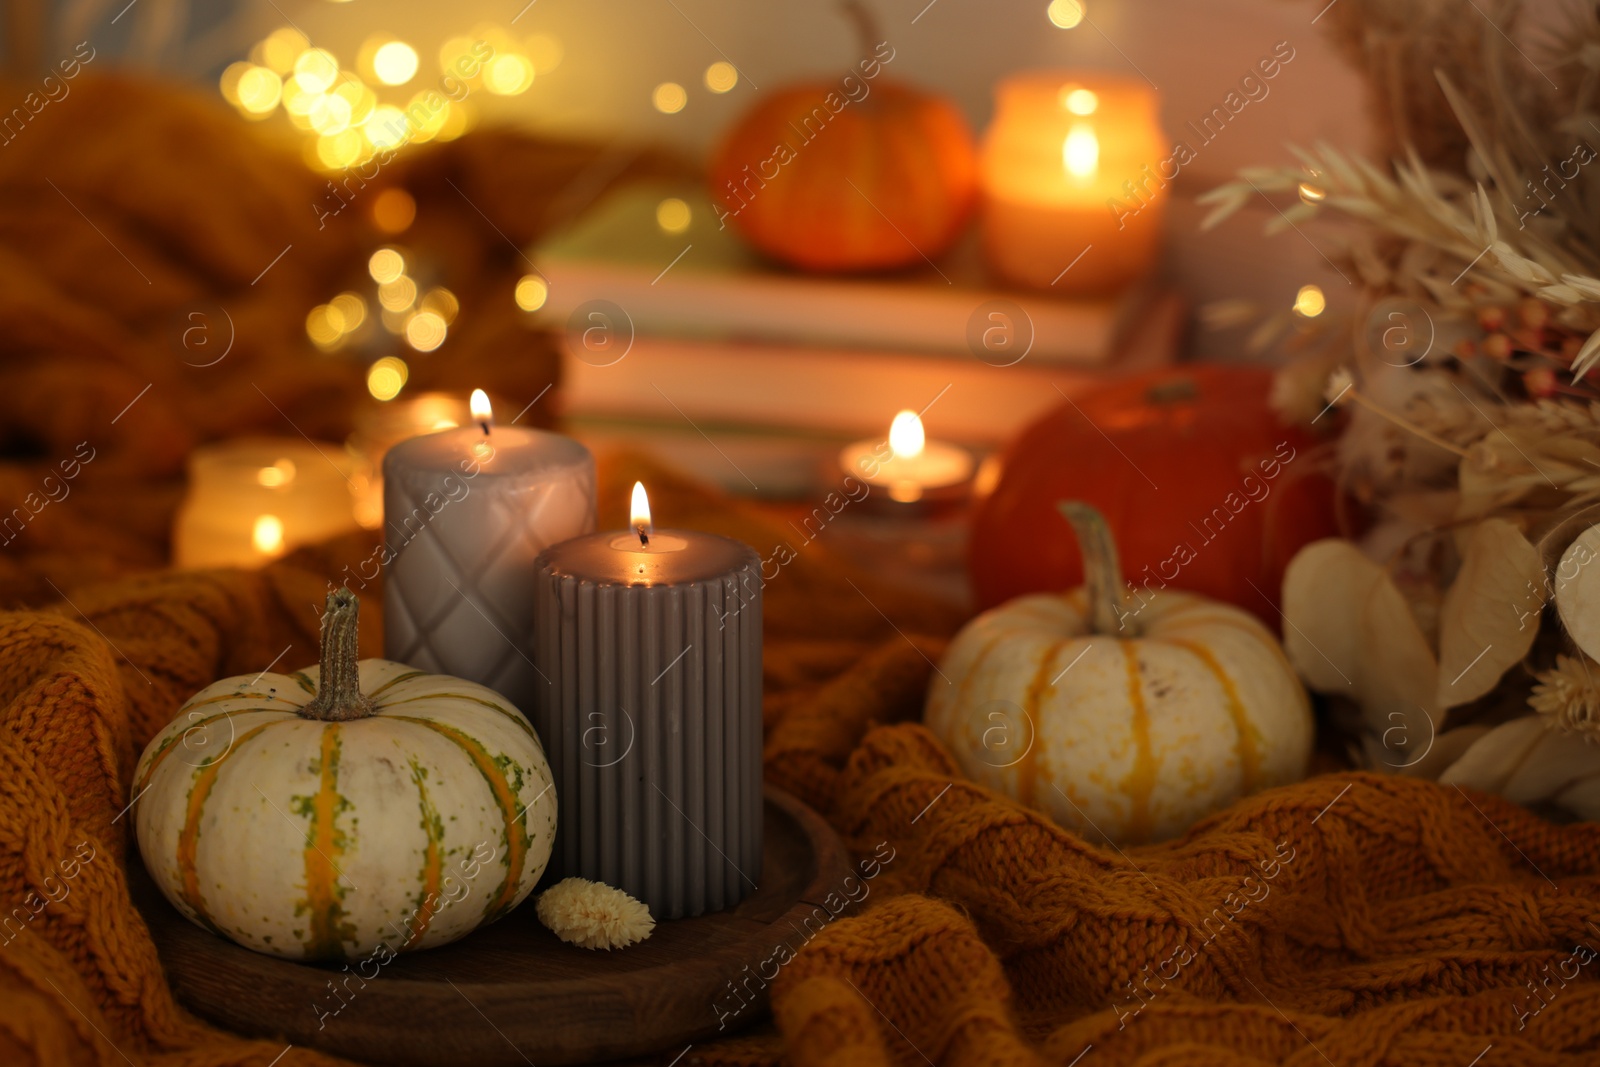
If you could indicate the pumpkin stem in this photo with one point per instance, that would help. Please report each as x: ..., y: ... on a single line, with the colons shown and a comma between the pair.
x: 339, y: 697
x: 1102, y: 570
x: 866, y: 26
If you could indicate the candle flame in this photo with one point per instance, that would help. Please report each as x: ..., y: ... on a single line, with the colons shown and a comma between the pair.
x: 1081, y: 151
x: 267, y: 535
x: 639, y: 513
x: 906, y: 436
x: 482, y: 413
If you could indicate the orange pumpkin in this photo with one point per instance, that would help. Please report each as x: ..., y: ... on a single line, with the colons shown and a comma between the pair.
x: 1208, y: 490
x: 855, y: 174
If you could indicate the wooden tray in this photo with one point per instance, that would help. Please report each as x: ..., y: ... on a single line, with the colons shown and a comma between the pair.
x: 513, y: 994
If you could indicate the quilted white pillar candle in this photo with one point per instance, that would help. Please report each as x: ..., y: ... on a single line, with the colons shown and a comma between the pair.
x: 466, y: 512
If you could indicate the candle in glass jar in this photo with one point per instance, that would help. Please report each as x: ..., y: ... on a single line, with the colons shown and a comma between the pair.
x: 466, y: 513
x: 252, y: 499
x: 382, y: 425
x: 908, y: 466
x: 1074, y: 173
x: 651, y: 641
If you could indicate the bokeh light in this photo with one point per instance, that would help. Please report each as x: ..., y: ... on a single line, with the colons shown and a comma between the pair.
x: 457, y: 121
x: 280, y: 49
x: 297, y: 104
x: 456, y: 54
x: 329, y: 115
x: 721, y: 77
x: 673, y: 215
x: 441, y: 302
x: 386, y: 127
x: 325, y: 326
x: 259, y: 92
x: 399, y: 294
x: 362, y: 100
x: 433, y: 112
x: 532, y: 292
x: 425, y: 331
x: 386, y: 264
x: 340, y: 150
x: 394, y: 63
x: 229, y: 82
x: 1065, y: 13
x: 508, y: 74
x: 1309, y: 301
x: 387, y: 377
x: 669, y: 98
x: 315, y: 69
x: 352, y: 310
x: 393, y: 210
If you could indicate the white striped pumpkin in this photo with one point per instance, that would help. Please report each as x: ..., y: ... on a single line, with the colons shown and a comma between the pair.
x: 407, y: 821
x: 1121, y: 721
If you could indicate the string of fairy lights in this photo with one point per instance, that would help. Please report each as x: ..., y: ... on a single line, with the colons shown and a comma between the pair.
x: 383, y: 99
x: 421, y: 317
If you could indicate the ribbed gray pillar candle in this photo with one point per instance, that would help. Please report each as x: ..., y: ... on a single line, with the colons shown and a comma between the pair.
x: 650, y: 712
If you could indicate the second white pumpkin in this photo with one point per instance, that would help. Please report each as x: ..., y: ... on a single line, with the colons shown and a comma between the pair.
x: 1171, y: 711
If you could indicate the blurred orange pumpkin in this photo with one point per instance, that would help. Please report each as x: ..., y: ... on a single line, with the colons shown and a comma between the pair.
x: 1208, y: 490
x: 855, y: 174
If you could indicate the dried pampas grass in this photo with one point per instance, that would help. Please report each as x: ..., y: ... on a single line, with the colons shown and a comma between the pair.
x: 1471, y: 416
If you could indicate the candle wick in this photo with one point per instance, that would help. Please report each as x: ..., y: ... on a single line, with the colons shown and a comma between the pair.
x: 644, y: 538
x: 485, y: 425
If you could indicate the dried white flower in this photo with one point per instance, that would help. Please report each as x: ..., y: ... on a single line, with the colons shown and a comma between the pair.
x: 1339, y: 384
x: 1568, y: 693
x: 593, y: 915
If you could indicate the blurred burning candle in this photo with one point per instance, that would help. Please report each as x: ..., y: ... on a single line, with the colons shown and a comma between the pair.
x: 381, y: 426
x: 1074, y: 173
x: 465, y: 513
x: 252, y: 499
x: 906, y: 464
x: 652, y: 718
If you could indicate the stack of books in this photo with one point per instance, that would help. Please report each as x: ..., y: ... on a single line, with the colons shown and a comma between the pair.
x: 669, y: 321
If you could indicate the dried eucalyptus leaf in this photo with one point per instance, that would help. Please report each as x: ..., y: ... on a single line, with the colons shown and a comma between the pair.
x: 1528, y: 762
x: 1558, y: 538
x: 1349, y: 630
x: 1491, y: 612
x: 1489, y: 762
x: 1577, y: 587
x: 1319, y: 610
x: 1582, y: 798
x: 1558, y: 762
x: 1444, y: 750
